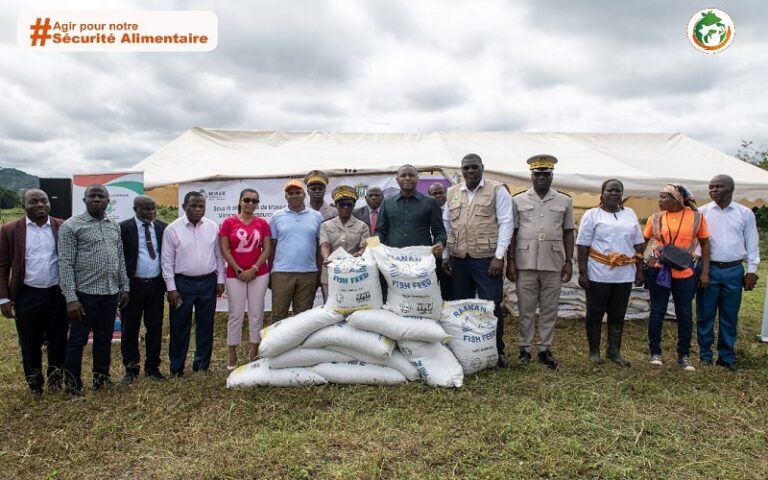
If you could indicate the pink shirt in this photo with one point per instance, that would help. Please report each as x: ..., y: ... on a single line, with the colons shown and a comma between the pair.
x: 246, y: 242
x: 191, y: 250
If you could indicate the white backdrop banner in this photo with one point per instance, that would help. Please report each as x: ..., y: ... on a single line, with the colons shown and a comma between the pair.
x: 222, y: 199
x: 122, y: 188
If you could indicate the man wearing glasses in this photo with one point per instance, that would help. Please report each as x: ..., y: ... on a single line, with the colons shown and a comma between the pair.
x: 479, y: 223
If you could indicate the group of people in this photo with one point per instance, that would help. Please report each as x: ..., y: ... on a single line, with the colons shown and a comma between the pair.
x: 683, y: 251
x: 65, y: 280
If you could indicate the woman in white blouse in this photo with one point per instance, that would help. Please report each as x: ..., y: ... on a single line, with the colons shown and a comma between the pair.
x: 610, y: 246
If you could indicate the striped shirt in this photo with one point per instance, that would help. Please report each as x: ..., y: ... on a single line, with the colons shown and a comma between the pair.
x: 91, y: 257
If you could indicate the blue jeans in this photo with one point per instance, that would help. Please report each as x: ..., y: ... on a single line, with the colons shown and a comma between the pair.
x: 100, y: 312
x: 682, y: 291
x: 470, y: 277
x: 199, y: 292
x: 723, y: 297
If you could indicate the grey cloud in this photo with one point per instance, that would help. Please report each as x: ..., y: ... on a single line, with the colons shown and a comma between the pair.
x: 312, y: 108
x: 295, y: 42
x: 437, y: 97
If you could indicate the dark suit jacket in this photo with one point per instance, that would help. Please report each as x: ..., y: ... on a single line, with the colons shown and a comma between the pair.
x: 130, y: 235
x: 363, y: 213
x: 13, y: 245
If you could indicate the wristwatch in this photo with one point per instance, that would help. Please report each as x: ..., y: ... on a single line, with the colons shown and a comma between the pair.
x: 239, y: 271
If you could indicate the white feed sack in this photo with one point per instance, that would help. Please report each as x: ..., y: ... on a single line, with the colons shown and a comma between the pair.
x: 353, y: 283
x: 435, y: 363
x: 471, y: 325
x: 290, y: 332
x: 258, y: 374
x: 307, y: 357
x: 344, y: 335
x: 412, y: 285
x: 396, y: 327
x: 396, y: 361
x: 358, y: 373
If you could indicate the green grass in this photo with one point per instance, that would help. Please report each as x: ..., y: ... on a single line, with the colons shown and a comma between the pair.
x: 577, y: 422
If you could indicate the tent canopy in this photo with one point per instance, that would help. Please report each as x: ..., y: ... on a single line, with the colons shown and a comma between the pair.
x: 644, y: 162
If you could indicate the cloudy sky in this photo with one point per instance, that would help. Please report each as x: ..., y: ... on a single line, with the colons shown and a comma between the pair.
x: 385, y: 66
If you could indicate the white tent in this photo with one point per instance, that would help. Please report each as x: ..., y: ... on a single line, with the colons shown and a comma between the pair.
x: 644, y: 162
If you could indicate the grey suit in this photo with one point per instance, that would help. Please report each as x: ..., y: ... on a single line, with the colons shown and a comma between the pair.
x: 363, y: 213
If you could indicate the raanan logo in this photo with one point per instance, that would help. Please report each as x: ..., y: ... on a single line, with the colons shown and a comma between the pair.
x: 710, y: 30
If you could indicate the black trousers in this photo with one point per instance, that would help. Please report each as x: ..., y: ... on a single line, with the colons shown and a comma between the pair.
x: 445, y: 280
x: 100, y: 312
x: 610, y: 298
x: 41, y: 314
x: 146, y: 300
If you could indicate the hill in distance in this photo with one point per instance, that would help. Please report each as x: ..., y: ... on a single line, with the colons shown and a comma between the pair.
x: 16, y: 180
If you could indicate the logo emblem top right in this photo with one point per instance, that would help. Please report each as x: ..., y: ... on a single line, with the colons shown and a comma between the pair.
x: 710, y: 30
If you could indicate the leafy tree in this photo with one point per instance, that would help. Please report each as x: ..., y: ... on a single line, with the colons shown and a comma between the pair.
x: 752, y: 154
x: 9, y: 198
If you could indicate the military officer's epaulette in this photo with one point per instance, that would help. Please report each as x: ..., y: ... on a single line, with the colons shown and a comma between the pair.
x: 559, y: 191
x: 518, y: 193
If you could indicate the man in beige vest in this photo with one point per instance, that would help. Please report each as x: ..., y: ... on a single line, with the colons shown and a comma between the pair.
x: 479, y: 222
x: 540, y: 257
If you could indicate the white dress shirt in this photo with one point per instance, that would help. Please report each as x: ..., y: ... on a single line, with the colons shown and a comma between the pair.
x: 733, y: 234
x: 191, y: 250
x: 504, y: 217
x: 41, y: 261
x: 146, y: 266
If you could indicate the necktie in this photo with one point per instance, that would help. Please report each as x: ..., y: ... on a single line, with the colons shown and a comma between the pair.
x: 150, y: 247
x: 374, y: 217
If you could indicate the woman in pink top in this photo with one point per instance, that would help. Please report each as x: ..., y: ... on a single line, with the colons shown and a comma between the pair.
x: 245, y: 246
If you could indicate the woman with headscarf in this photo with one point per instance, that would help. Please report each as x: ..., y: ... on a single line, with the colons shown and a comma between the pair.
x: 609, y: 246
x: 344, y: 231
x: 674, y: 233
x: 245, y: 245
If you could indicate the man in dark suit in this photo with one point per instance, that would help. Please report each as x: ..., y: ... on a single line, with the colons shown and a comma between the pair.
x: 29, y: 290
x: 142, y: 238
x: 370, y: 212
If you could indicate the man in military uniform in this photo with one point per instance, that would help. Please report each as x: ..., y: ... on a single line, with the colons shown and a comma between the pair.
x: 479, y: 221
x: 540, y: 256
x: 316, y: 181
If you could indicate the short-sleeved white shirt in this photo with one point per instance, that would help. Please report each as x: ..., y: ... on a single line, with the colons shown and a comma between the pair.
x: 606, y: 233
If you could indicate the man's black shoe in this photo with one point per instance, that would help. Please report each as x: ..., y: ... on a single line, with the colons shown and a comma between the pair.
x: 730, y: 366
x: 101, y: 381
x: 128, y: 378
x: 524, y: 357
x: 155, y: 375
x: 548, y: 359
x: 178, y: 374
x: 503, y: 361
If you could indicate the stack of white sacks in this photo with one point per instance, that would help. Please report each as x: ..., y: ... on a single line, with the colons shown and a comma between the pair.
x: 354, y: 338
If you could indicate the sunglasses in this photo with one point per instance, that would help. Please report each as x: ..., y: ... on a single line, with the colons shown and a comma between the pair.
x: 345, y: 204
x: 255, y: 201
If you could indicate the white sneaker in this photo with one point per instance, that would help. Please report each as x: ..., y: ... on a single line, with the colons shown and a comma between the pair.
x: 686, y: 364
x: 656, y: 360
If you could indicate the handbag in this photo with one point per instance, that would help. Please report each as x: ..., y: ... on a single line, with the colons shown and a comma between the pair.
x: 674, y: 256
